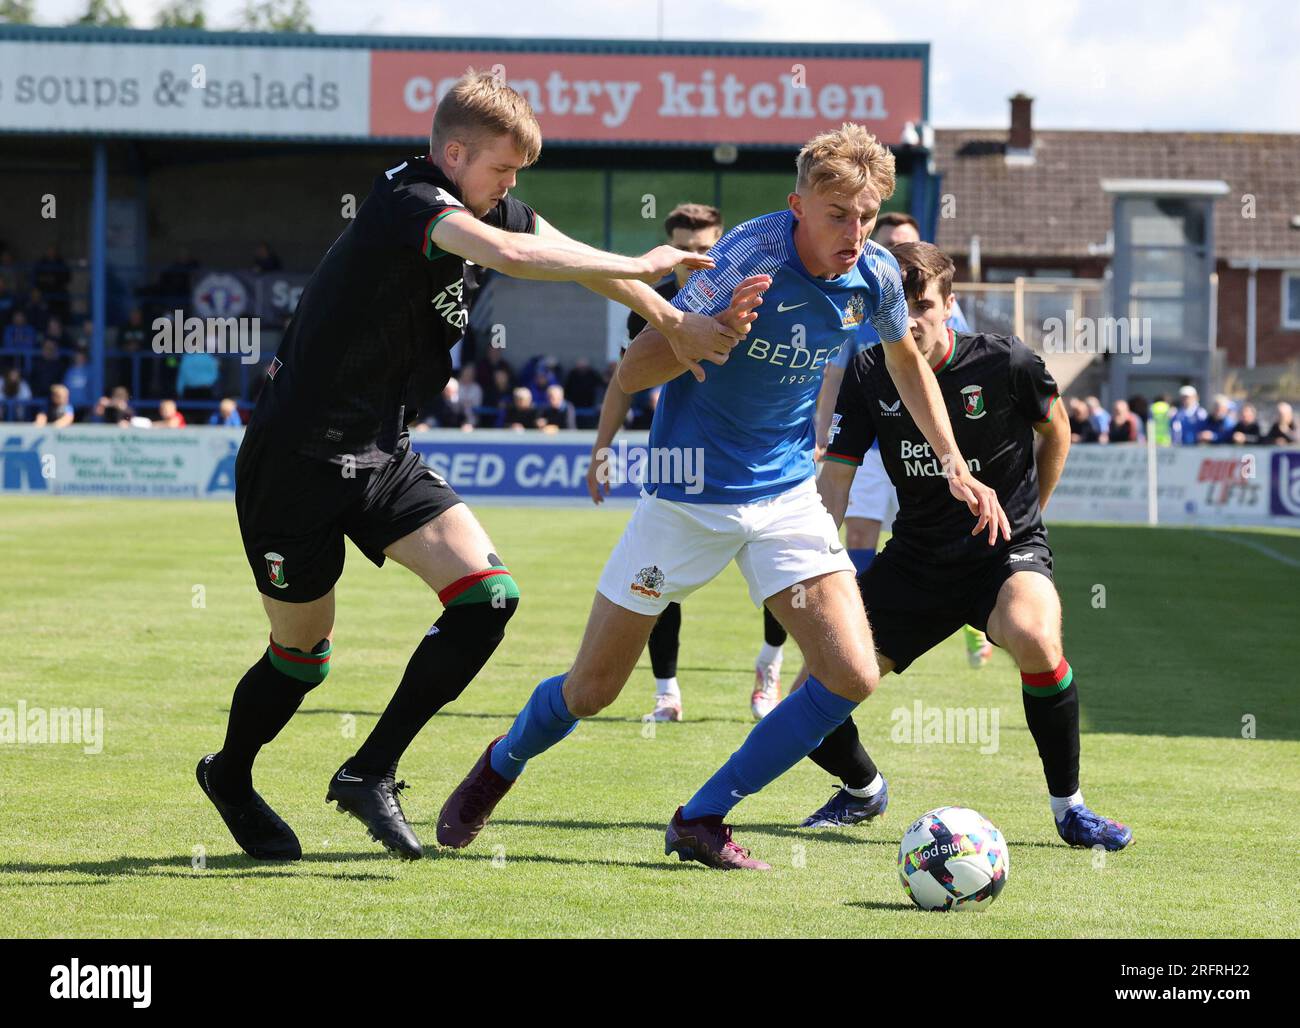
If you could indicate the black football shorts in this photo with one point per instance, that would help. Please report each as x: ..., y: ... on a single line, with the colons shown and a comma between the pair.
x: 913, y: 605
x: 294, y: 512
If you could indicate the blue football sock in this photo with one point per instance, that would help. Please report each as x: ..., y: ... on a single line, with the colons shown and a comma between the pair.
x: 773, y: 746
x: 543, y: 722
x: 862, y: 559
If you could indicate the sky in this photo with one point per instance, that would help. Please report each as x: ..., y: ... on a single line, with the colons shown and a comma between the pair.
x: 1221, y: 65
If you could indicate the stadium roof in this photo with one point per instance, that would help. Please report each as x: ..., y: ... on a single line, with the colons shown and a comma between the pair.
x: 1055, y: 207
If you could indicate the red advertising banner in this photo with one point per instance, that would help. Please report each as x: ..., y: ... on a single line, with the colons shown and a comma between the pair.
x: 664, y: 98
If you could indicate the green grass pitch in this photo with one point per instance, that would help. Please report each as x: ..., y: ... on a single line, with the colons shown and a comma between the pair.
x: 146, y: 610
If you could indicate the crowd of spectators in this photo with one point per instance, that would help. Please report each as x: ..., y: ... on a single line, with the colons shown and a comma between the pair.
x: 541, y: 395
x: 45, y: 376
x: 1185, y: 423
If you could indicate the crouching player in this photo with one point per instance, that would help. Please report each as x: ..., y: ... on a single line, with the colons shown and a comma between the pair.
x: 933, y: 577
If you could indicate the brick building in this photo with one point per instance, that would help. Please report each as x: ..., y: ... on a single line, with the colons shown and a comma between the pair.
x: 1020, y: 201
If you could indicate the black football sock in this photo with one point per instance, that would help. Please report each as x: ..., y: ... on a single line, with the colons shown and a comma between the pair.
x: 264, y: 701
x: 1052, y: 711
x: 842, y: 755
x: 665, y: 639
x: 446, y: 661
x: 774, y: 633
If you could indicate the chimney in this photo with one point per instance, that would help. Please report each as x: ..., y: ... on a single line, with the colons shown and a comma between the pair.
x: 1022, y: 126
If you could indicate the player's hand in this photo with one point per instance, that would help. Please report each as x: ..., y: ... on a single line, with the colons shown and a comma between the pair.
x: 663, y: 259
x: 701, y: 338
x: 598, y: 475
x: 746, y: 298
x: 983, y: 503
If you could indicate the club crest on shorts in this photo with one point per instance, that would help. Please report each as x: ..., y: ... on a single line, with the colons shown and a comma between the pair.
x: 649, y: 582
x: 973, y: 400
x: 275, y: 570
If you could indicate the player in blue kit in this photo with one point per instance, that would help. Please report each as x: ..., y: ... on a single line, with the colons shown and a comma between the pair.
x: 748, y: 426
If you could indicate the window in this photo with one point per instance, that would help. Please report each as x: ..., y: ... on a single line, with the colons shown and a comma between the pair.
x: 1291, y: 300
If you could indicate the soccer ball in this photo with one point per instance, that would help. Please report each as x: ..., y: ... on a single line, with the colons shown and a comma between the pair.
x: 953, y: 859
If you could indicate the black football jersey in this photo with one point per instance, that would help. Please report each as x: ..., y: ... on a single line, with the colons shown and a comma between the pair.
x: 374, y: 327
x: 995, y: 390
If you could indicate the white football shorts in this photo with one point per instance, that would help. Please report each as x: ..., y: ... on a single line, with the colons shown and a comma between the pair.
x: 872, y: 493
x: 669, y: 549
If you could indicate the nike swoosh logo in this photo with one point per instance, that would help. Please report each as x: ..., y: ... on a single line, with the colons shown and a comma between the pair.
x: 738, y: 795
x: 512, y: 756
x: 837, y: 549
x: 343, y: 776
x: 782, y: 308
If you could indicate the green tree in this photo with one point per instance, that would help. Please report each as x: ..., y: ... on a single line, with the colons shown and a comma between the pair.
x: 17, y: 12
x: 182, y: 14
x: 109, y: 13
x: 276, y: 16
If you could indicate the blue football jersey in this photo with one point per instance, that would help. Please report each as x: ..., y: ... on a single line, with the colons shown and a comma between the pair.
x: 751, y: 419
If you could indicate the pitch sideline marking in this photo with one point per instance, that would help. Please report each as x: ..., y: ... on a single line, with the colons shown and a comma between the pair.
x: 1258, y: 547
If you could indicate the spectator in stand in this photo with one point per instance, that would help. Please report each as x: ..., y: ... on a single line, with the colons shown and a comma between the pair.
x: 1219, y: 425
x: 59, y: 412
x: 1284, y: 431
x: 12, y: 393
x: 85, y: 335
x: 1125, y: 427
x: 1081, y: 427
x: 582, y: 386
x: 177, y: 280
x: 8, y: 304
x: 37, y: 310
x: 133, y: 338
x: 540, y: 375
x: 498, y: 392
x: 116, y: 409
x: 227, y: 414
x: 77, y: 379
x: 197, y: 377
x: 265, y: 260
x: 1249, y: 432
x: 169, y: 416
x: 559, y: 412
x: 19, y: 334
x: 1137, y: 403
x: 1161, y: 414
x: 1098, y: 416
x: 492, y: 362
x: 643, y: 414
x: 520, y: 413
x: 47, y: 368
x: 471, y: 393
x: 448, y: 410
x: 51, y: 276
x: 9, y: 271
x: 54, y: 330
x: 1189, y: 420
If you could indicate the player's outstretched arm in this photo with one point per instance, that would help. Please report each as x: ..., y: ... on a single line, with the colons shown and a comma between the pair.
x: 693, y: 337
x: 833, y: 484
x: 613, y: 412
x: 919, y: 391
x: 653, y: 359
x: 551, y: 259
x: 1053, y: 447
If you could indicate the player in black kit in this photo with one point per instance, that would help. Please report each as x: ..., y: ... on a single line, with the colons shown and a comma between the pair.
x: 934, y: 575
x: 326, y: 453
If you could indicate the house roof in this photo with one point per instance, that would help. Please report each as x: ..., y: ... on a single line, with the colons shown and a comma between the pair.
x: 1055, y: 206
